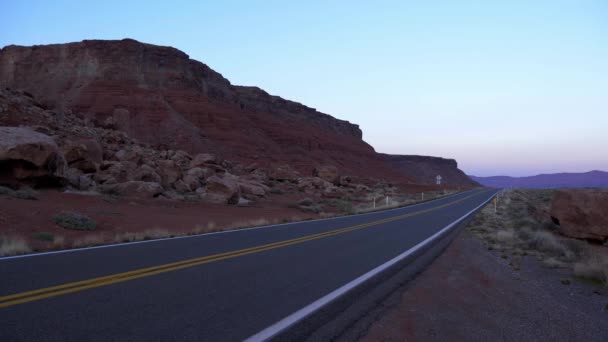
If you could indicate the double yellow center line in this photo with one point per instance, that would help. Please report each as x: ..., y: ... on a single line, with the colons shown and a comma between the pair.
x: 53, y: 291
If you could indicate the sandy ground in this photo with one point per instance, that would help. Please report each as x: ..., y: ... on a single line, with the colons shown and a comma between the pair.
x: 472, y: 294
x: 25, y: 218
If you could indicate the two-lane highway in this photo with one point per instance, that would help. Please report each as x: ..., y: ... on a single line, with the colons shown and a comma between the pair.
x: 214, y: 287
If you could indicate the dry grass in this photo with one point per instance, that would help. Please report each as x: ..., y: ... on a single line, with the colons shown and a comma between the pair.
x: 594, y: 267
x: 514, y: 228
x: 13, y: 245
x: 89, y: 241
x: 148, y: 234
x: 59, y: 242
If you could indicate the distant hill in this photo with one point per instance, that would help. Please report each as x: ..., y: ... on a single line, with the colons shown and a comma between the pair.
x: 555, y: 180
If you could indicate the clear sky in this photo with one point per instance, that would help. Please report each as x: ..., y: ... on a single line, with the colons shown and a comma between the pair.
x: 505, y: 87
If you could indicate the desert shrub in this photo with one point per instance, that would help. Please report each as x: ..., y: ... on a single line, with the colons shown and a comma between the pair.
x: 505, y: 236
x: 23, y: 193
x: 26, y: 193
x: 73, y: 220
x: 525, y: 234
x: 13, y: 245
x: 276, y: 191
x: 345, y: 206
x: 594, y: 267
x: 306, y: 202
x: 549, y: 243
x: 44, y: 236
x: 6, y: 191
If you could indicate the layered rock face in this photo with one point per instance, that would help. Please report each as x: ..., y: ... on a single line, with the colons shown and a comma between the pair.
x: 160, y: 96
x: 424, y: 170
x: 581, y: 214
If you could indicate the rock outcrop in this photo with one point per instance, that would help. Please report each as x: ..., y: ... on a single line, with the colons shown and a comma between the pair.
x: 581, y: 214
x: 424, y: 170
x: 161, y: 97
x: 156, y: 116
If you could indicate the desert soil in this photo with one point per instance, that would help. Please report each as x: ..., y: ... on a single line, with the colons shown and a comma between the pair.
x: 116, y: 215
x: 470, y: 293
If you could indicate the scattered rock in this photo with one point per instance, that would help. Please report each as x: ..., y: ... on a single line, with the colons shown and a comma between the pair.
x: 253, y: 188
x: 84, y: 154
x: 202, y: 159
x: 222, y: 190
x: 133, y: 189
x: 284, y: 173
x: 146, y: 173
x: 169, y: 172
x: 327, y: 172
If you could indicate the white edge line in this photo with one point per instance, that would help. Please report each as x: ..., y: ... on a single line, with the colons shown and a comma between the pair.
x: 121, y: 244
x: 306, y: 311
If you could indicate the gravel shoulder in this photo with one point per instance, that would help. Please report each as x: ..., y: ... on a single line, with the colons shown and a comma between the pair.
x: 474, y: 294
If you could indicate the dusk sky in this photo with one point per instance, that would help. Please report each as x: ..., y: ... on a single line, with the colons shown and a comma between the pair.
x: 511, y: 87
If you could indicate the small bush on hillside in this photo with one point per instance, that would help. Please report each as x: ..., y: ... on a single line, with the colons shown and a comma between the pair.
x: 306, y: 202
x: 44, y: 236
x: 26, y: 193
x: 73, y: 220
x: 595, y: 267
x: 6, y: 191
x: 23, y: 193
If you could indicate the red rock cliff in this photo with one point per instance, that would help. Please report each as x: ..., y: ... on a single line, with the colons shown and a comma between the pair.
x: 162, y: 97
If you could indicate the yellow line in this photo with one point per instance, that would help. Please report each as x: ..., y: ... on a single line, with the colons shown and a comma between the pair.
x: 28, y: 296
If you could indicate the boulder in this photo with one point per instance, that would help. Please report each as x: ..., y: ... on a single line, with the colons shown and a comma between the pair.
x: 133, y: 189
x: 122, y: 171
x: 181, y: 186
x: 78, y: 180
x: 581, y: 214
x: 146, y: 173
x: 181, y: 158
x: 249, y: 187
x: 84, y: 154
x: 26, y: 155
x: 326, y: 172
x: 223, y: 190
x: 128, y: 155
x: 168, y: 171
x: 195, y: 177
x: 203, y: 159
x: 311, y: 185
x: 283, y: 173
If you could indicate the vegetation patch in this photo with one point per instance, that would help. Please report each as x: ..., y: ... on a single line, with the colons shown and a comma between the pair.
x: 26, y: 193
x: 44, y: 236
x: 74, y: 220
x: 13, y: 245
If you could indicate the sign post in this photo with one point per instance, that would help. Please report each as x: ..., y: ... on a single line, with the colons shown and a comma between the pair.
x: 438, y: 179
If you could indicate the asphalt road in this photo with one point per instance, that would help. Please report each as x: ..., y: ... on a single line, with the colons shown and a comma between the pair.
x: 214, y: 287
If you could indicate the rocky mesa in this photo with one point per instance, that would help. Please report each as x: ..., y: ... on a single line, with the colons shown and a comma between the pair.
x: 168, y: 103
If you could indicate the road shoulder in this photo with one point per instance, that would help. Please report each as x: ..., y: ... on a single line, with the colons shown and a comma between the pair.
x: 471, y: 293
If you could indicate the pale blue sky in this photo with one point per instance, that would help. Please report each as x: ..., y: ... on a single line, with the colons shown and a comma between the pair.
x: 505, y: 87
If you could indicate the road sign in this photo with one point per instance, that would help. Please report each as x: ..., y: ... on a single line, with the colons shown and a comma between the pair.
x: 438, y: 179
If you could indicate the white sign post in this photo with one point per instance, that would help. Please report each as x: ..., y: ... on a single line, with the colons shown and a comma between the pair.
x: 438, y: 179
